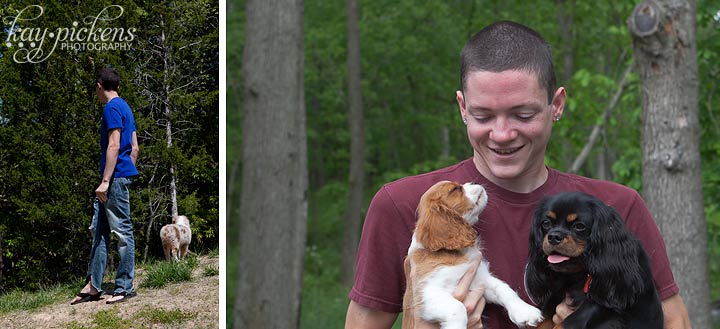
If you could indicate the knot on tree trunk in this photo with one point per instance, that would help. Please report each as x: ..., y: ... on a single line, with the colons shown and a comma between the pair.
x: 644, y: 24
x: 670, y: 159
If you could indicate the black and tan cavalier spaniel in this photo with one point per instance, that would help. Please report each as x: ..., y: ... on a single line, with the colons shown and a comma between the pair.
x: 580, y: 247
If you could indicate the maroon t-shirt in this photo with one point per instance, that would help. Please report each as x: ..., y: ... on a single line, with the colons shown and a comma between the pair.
x: 504, y: 229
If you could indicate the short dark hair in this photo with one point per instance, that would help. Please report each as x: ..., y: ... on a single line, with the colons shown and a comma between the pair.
x: 109, y: 79
x: 507, y: 45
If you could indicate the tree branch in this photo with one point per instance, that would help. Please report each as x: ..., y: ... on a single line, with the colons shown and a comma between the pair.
x: 580, y: 160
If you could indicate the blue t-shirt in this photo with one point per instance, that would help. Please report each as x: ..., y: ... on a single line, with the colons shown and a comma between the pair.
x: 117, y: 114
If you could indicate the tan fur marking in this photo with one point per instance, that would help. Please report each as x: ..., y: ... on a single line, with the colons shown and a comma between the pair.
x: 552, y: 214
x: 568, y: 247
x: 571, y: 218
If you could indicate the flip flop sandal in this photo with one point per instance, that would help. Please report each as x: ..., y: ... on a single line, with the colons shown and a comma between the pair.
x: 86, y: 298
x: 125, y: 295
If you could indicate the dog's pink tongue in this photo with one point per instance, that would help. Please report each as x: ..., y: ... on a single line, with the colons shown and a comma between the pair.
x: 557, y: 258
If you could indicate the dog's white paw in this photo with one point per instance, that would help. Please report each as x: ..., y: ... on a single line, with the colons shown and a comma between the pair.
x: 525, y: 315
x: 453, y: 325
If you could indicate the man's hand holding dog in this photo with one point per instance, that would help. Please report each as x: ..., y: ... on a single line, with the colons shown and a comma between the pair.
x: 472, y: 299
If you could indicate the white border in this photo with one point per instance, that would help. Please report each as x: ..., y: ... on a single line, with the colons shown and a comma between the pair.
x: 222, y: 125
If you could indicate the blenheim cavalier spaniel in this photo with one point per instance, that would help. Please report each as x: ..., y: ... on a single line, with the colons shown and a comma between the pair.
x: 580, y: 247
x: 443, y: 247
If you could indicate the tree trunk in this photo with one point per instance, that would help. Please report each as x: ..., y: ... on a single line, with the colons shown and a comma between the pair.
x: 1, y: 266
x: 167, y: 57
x: 273, y: 201
x: 666, y: 56
x: 353, y: 211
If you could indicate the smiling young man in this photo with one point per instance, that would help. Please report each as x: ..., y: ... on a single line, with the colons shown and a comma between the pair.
x: 508, y: 102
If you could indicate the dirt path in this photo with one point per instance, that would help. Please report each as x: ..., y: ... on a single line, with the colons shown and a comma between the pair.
x: 198, y: 299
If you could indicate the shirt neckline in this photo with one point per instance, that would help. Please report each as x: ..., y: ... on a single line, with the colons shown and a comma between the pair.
x: 496, y: 191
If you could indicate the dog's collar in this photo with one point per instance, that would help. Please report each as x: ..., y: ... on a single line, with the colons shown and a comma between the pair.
x: 586, y: 288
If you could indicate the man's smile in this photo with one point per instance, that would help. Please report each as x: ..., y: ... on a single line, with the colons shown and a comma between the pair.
x: 506, y: 151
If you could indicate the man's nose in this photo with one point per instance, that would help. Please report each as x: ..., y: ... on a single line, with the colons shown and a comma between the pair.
x: 502, y: 131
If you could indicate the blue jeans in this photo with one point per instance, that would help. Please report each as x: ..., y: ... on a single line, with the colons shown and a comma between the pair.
x: 113, y: 217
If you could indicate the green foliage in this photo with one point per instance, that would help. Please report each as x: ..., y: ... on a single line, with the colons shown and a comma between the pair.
x: 325, y: 299
x: 708, y: 44
x: 712, y: 214
x: 163, y: 272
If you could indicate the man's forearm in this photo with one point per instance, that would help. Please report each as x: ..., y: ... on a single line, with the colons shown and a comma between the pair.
x: 135, y: 148
x: 110, y: 161
x: 134, y: 156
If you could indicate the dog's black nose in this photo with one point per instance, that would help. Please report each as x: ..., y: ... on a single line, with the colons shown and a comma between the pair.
x: 555, y: 237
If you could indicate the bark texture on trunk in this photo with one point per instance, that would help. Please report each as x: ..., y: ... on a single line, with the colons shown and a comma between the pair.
x: 666, y: 56
x: 273, y: 201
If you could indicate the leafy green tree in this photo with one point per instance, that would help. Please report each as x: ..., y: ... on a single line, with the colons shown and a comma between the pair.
x: 177, y: 77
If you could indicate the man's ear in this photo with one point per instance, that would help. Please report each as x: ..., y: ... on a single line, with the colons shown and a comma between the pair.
x: 461, y: 103
x: 558, y: 102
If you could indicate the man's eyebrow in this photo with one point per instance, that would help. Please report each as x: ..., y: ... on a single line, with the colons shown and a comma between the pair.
x: 530, y: 106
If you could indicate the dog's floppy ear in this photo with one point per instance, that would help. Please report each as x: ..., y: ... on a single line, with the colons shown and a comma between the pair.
x: 440, y: 227
x: 614, y: 260
x: 539, y: 281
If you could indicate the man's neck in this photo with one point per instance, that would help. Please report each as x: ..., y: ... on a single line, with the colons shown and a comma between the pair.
x: 526, y: 182
x: 109, y: 95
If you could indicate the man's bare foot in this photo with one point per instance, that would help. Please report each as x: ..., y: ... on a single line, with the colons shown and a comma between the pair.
x: 87, y: 294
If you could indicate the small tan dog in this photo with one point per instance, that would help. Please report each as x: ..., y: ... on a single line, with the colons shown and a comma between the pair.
x: 176, y: 238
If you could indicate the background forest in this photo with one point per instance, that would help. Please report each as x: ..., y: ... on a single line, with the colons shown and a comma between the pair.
x: 410, y: 65
x: 49, y: 124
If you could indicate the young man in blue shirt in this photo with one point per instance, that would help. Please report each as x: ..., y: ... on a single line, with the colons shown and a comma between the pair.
x: 119, y: 151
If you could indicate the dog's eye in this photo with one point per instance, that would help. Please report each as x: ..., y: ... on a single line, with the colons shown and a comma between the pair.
x: 579, y: 227
x: 546, y: 224
x: 456, y: 188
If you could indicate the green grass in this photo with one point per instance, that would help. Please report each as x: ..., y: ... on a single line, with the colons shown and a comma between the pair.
x: 148, y: 318
x: 162, y: 273
x: 110, y: 319
x: 157, y: 316
x: 211, y: 271
x: 20, y: 300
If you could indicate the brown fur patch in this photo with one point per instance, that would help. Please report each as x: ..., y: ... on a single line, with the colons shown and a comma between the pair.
x: 571, y: 218
x: 551, y: 214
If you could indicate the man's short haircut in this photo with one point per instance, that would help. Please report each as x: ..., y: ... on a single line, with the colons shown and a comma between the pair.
x: 109, y: 79
x: 504, y: 46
